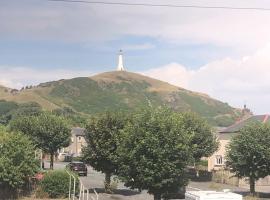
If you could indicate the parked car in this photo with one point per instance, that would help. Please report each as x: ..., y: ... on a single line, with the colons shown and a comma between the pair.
x: 78, y: 167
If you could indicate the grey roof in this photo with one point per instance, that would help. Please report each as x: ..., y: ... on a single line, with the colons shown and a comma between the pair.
x: 77, y: 131
x: 240, y: 124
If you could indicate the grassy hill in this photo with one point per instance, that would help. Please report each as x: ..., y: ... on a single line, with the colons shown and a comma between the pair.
x: 121, y: 90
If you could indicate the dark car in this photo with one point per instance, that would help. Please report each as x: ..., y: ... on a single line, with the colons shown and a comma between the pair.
x: 78, y: 167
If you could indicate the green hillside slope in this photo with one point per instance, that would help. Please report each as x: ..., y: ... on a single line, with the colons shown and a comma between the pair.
x: 125, y: 91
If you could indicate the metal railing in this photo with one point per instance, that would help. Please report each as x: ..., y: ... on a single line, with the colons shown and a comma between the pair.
x: 74, y: 185
x: 82, y: 193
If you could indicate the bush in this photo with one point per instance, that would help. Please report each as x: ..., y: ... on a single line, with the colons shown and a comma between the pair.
x: 17, y: 163
x: 56, y: 184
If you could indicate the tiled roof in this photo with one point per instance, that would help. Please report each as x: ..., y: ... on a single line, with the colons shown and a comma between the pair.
x: 238, y: 125
x: 78, y: 131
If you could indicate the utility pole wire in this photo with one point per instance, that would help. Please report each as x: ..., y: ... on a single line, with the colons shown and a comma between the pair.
x: 163, y: 5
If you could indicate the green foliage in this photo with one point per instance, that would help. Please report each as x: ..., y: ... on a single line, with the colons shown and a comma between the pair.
x: 248, y: 153
x: 125, y: 91
x: 75, y: 118
x: 49, y: 132
x: 155, y: 151
x: 224, y: 121
x: 203, y: 141
x: 89, y: 96
x: 17, y: 160
x: 205, y: 106
x: 102, y: 137
x: 27, y: 109
x: 56, y: 184
x: 10, y: 110
x: 6, y: 107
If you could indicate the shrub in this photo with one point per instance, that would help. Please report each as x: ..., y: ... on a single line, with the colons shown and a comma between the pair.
x: 40, y: 194
x: 17, y: 163
x: 56, y: 184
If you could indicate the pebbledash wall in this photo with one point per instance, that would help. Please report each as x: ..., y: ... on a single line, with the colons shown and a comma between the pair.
x: 216, y: 163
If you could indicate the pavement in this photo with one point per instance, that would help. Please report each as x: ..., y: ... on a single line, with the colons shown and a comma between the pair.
x: 95, y: 180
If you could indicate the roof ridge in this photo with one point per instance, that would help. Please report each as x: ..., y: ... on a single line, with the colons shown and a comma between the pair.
x: 236, y: 123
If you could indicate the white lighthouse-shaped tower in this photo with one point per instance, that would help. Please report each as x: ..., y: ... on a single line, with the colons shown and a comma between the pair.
x: 120, y: 66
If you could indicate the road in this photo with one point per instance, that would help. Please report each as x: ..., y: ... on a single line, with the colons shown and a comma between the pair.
x: 95, y: 180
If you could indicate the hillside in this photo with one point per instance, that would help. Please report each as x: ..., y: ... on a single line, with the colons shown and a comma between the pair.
x: 121, y: 91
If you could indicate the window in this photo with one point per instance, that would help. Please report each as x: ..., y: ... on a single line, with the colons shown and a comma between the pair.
x: 79, y: 138
x: 219, y: 160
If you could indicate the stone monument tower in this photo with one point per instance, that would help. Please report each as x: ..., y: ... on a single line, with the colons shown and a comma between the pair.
x: 120, y: 66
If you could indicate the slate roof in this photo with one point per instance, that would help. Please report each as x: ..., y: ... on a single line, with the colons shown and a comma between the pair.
x: 77, y: 131
x: 238, y: 125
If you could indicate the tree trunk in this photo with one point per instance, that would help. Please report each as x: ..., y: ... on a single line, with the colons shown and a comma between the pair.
x: 196, y: 170
x: 157, y: 196
x: 51, y: 162
x: 252, y: 186
x: 108, y: 182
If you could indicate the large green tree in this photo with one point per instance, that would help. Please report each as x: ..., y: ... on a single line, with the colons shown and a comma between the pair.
x: 204, y: 142
x: 49, y: 132
x: 248, y: 153
x: 155, y: 151
x: 102, y: 137
x: 17, y: 161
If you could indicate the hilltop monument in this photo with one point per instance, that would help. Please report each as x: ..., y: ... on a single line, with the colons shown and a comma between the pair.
x: 120, y: 66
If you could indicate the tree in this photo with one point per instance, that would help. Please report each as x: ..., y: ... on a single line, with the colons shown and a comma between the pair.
x: 248, y: 153
x: 6, y: 107
x: 102, y: 137
x: 49, y: 132
x: 27, y: 109
x: 154, y: 152
x: 17, y: 161
x: 10, y: 110
x: 76, y: 119
x: 203, y: 141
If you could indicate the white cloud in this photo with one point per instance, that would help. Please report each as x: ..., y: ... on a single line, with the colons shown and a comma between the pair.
x: 233, y: 81
x: 17, y: 77
x: 173, y: 73
x: 83, y: 22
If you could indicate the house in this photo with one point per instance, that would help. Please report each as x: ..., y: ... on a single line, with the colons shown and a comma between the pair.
x: 217, y: 160
x: 77, y: 142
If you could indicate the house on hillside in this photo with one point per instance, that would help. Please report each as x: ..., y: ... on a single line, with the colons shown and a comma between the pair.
x: 77, y: 142
x: 217, y: 160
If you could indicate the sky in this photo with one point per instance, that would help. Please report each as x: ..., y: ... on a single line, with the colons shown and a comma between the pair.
x: 223, y: 53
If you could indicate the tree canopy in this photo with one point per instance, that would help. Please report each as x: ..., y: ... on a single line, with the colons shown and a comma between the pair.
x: 10, y: 110
x: 102, y: 137
x: 49, y: 132
x: 155, y: 152
x: 248, y: 153
x: 203, y: 142
x: 17, y: 160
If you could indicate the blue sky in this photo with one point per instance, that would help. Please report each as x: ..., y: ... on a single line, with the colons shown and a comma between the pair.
x: 219, y: 52
x: 140, y: 54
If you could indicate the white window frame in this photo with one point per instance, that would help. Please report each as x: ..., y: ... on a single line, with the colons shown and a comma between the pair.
x: 219, y: 160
